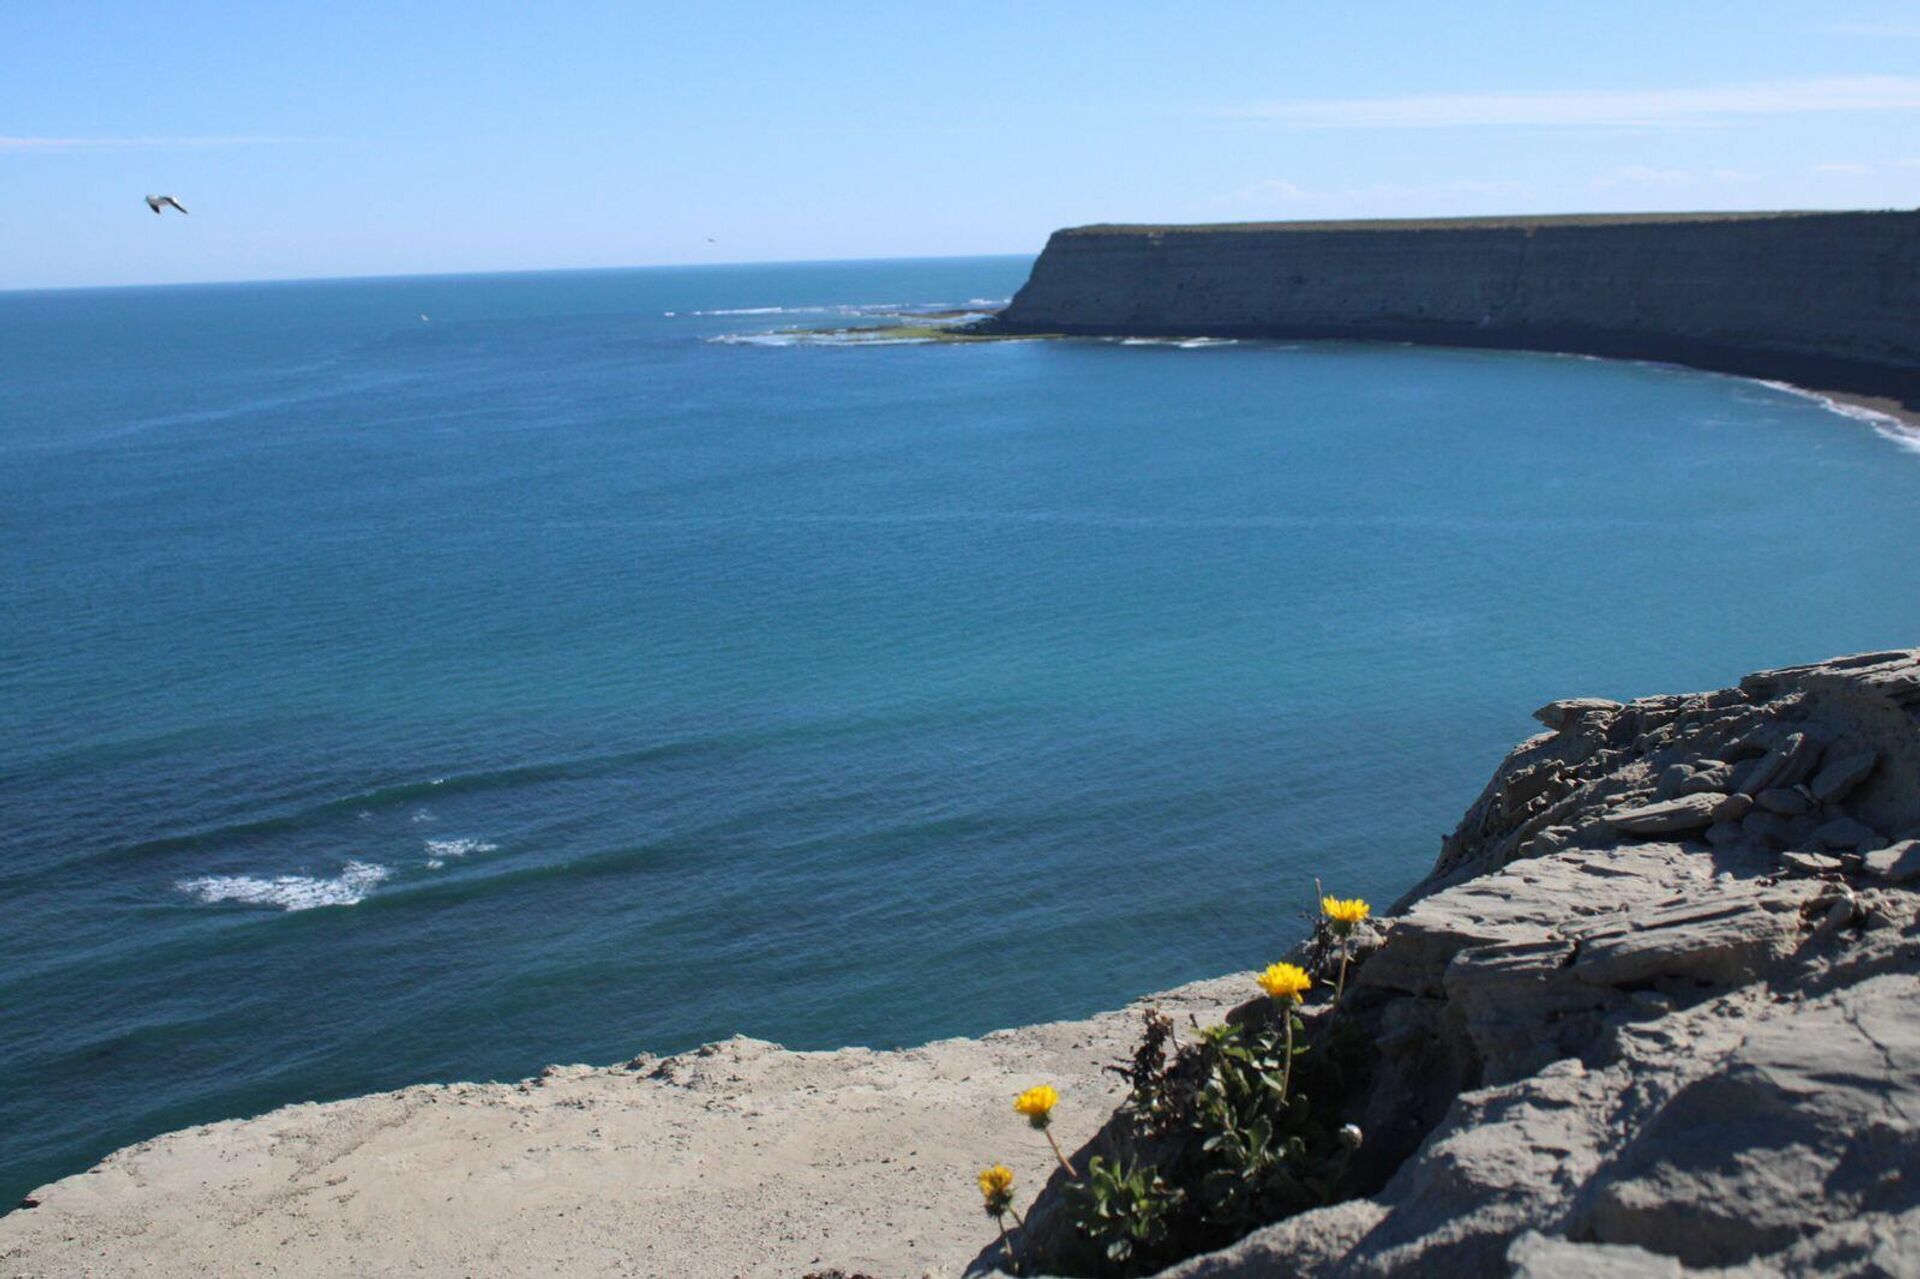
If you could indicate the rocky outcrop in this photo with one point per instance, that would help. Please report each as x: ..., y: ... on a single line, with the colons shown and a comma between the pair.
x: 1658, y: 1005
x: 1655, y: 1010
x: 1821, y: 299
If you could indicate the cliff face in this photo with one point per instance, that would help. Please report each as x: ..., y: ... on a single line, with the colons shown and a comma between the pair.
x: 1828, y: 298
x: 1658, y: 1004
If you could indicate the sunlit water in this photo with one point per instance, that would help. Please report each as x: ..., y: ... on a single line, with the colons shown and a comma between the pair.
x: 390, y: 698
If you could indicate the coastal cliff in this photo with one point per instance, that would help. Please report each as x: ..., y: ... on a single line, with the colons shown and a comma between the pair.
x: 1653, y: 1008
x: 1823, y: 299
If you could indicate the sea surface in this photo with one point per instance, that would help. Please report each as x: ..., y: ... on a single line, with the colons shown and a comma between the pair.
x: 435, y: 678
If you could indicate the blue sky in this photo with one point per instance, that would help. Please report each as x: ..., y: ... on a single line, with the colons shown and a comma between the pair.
x: 354, y: 139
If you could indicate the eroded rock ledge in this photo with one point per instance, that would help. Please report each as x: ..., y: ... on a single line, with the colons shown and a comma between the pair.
x: 1658, y: 1005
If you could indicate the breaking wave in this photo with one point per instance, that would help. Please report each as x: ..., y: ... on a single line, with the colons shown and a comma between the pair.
x: 289, y: 892
x: 1897, y: 431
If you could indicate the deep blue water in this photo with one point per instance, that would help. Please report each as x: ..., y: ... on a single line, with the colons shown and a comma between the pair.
x: 624, y: 689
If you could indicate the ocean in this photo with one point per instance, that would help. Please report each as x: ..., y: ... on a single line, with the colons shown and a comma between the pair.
x: 430, y: 679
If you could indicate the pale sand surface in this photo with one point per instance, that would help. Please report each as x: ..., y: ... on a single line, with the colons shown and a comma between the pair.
x: 740, y: 1158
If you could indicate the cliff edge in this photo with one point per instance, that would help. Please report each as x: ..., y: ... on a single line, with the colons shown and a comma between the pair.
x: 1656, y: 1009
x: 1826, y: 300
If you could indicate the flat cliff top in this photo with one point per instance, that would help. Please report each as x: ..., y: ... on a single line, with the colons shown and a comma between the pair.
x: 1497, y: 223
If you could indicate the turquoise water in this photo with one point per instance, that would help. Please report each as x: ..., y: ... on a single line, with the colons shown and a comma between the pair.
x: 391, y: 699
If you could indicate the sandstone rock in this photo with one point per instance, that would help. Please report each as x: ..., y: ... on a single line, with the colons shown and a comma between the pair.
x: 1558, y: 715
x: 1810, y: 863
x: 1841, y: 774
x: 1784, y: 765
x: 1690, y: 812
x: 1732, y: 808
x: 1537, y: 1256
x: 1899, y: 863
x: 1739, y: 1083
x: 1672, y: 778
x: 1845, y: 832
x: 1724, y: 940
x: 1722, y: 1171
x: 1787, y: 803
x: 1708, y: 775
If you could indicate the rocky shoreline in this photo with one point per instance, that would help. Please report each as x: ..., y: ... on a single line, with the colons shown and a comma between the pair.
x: 1656, y: 1006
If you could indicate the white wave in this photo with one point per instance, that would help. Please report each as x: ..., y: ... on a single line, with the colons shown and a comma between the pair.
x: 289, y: 892
x: 1896, y: 430
x: 838, y: 308
x: 440, y: 848
x: 803, y: 338
x: 1194, y: 344
x: 757, y: 339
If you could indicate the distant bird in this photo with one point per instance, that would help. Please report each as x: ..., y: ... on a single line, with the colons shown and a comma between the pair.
x: 158, y: 202
x: 710, y: 239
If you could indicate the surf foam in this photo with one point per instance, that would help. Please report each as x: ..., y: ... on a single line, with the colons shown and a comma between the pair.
x: 1899, y: 433
x: 289, y: 892
x: 439, y: 848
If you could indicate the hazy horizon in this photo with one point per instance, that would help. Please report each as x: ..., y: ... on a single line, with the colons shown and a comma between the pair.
x: 364, y: 142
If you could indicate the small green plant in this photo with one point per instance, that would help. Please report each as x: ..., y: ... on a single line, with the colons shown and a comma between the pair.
x: 1125, y: 1214
x: 1232, y: 1130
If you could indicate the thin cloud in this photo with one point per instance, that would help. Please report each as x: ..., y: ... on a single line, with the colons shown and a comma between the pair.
x: 1604, y: 108
x: 1640, y: 175
x: 1281, y: 190
x: 1842, y: 168
x: 1878, y: 30
x: 122, y: 144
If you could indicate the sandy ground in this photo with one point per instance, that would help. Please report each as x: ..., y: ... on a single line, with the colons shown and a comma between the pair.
x: 739, y: 1158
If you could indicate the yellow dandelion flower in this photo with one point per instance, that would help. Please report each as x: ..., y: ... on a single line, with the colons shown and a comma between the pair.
x: 1348, y: 911
x: 1037, y: 1103
x: 1285, y: 981
x: 996, y: 1182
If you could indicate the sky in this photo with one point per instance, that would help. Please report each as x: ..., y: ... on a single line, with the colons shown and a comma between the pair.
x: 418, y: 137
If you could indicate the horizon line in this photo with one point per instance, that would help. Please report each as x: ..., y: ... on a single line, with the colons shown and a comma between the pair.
x: 6, y: 290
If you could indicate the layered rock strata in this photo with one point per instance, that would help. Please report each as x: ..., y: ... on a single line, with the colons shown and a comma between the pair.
x: 1658, y: 1005
x: 1821, y: 299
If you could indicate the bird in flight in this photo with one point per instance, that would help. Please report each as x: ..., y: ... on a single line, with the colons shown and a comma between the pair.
x: 158, y: 202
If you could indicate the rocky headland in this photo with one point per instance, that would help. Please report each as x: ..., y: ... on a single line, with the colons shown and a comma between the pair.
x: 1822, y: 300
x: 1655, y: 1010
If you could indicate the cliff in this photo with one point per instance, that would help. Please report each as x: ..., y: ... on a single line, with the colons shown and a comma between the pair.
x: 1657, y: 1005
x: 1823, y: 299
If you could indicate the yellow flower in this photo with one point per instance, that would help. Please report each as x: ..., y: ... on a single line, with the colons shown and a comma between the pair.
x: 996, y: 1182
x: 1285, y: 981
x: 1347, y: 912
x: 1037, y: 1104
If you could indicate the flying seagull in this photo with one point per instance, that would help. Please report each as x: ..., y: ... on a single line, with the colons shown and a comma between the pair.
x: 158, y: 202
